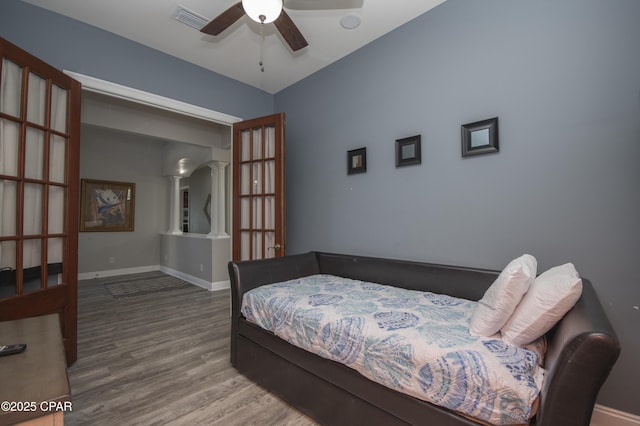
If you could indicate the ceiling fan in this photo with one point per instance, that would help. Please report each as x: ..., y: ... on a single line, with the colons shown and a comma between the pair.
x: 267, y: 11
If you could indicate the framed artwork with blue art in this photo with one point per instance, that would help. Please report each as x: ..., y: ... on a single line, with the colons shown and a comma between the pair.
x: 107, y: 206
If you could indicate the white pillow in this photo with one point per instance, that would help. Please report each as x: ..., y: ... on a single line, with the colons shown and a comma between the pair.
x: 550, y: 296
x: 501, y: 299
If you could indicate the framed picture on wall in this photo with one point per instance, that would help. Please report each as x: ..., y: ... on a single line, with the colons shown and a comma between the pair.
x: 357, y: 161
x: 480, y: 137
x: 408, y: 151
x: 107, y: 206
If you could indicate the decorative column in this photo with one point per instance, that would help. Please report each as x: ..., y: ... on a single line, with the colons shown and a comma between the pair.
x: 175, y: 214
x: 218, y: 194
x: 213, y: 223
x: 222, y: 195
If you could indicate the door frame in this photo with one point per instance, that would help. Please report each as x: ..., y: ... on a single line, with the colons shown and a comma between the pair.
x: 115, y: 90
x: 95, y: 85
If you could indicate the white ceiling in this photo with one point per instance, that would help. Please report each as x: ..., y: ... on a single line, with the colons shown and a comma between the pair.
x: 236, y: 52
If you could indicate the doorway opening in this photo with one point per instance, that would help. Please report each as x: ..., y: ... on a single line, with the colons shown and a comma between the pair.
x: 189, y: 135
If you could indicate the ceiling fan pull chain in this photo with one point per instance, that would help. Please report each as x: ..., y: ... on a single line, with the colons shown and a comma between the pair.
x: 262, y: 18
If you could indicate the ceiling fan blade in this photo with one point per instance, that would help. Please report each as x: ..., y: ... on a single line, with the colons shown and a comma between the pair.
x: 322, y: 4
x: 290, y: 32
x: 224, y: 20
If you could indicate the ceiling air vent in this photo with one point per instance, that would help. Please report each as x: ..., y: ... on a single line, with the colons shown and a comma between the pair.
x: 190, y: 18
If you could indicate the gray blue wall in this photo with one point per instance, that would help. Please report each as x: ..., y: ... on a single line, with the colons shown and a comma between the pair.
x: 107, y: 154
x: 68, y: 44
x: 564, y: 79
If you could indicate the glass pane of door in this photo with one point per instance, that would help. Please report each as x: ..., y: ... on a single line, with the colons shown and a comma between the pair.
x: 55, y: 247
x: 7, y: 268
x: 32, y: 210
x: 9, y: 147
x: 36, y: 102
x: 10, y: 88
x: 56, y: 210
x: 34, y: 154
x: 59, y: 108
x: 31, y: 265
x: 57, y: 155
x: 8, y: 212
x: 245, y: 243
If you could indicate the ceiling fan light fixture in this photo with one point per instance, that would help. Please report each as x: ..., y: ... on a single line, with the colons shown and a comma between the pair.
x: 262, y: 11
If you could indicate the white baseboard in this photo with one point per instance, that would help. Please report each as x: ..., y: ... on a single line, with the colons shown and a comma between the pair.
x: 116, y: 272
x: 605, y: 416
x: 208, y: 285
x: 220, y: 285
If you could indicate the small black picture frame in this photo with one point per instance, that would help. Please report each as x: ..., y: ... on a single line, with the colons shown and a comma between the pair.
x: 480, y: 137
x: 408, y: 151
x: 357, y: 161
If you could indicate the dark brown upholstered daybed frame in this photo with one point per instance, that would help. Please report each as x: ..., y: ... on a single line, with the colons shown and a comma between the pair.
x: 582, y: 347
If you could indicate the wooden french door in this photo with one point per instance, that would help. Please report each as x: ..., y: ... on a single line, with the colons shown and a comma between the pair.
x: 39, y: 170
x: 258, y: 188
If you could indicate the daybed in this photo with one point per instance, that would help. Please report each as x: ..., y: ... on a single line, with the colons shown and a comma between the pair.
x: 581, y: 349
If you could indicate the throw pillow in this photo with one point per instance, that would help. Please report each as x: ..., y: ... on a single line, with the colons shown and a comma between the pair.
x: 501, y: 299
x: 550, y: 296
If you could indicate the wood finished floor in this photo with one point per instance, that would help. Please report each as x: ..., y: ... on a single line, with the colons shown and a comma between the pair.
x: 163, y: 359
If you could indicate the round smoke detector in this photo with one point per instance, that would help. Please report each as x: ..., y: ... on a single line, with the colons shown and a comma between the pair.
x: 350, y: 21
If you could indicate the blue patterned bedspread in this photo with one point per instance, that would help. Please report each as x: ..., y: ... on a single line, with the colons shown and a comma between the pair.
x: 415, y: 342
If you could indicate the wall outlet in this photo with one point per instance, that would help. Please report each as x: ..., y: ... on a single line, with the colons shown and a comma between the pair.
x: 201, y: 267
x: 112, y: 260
